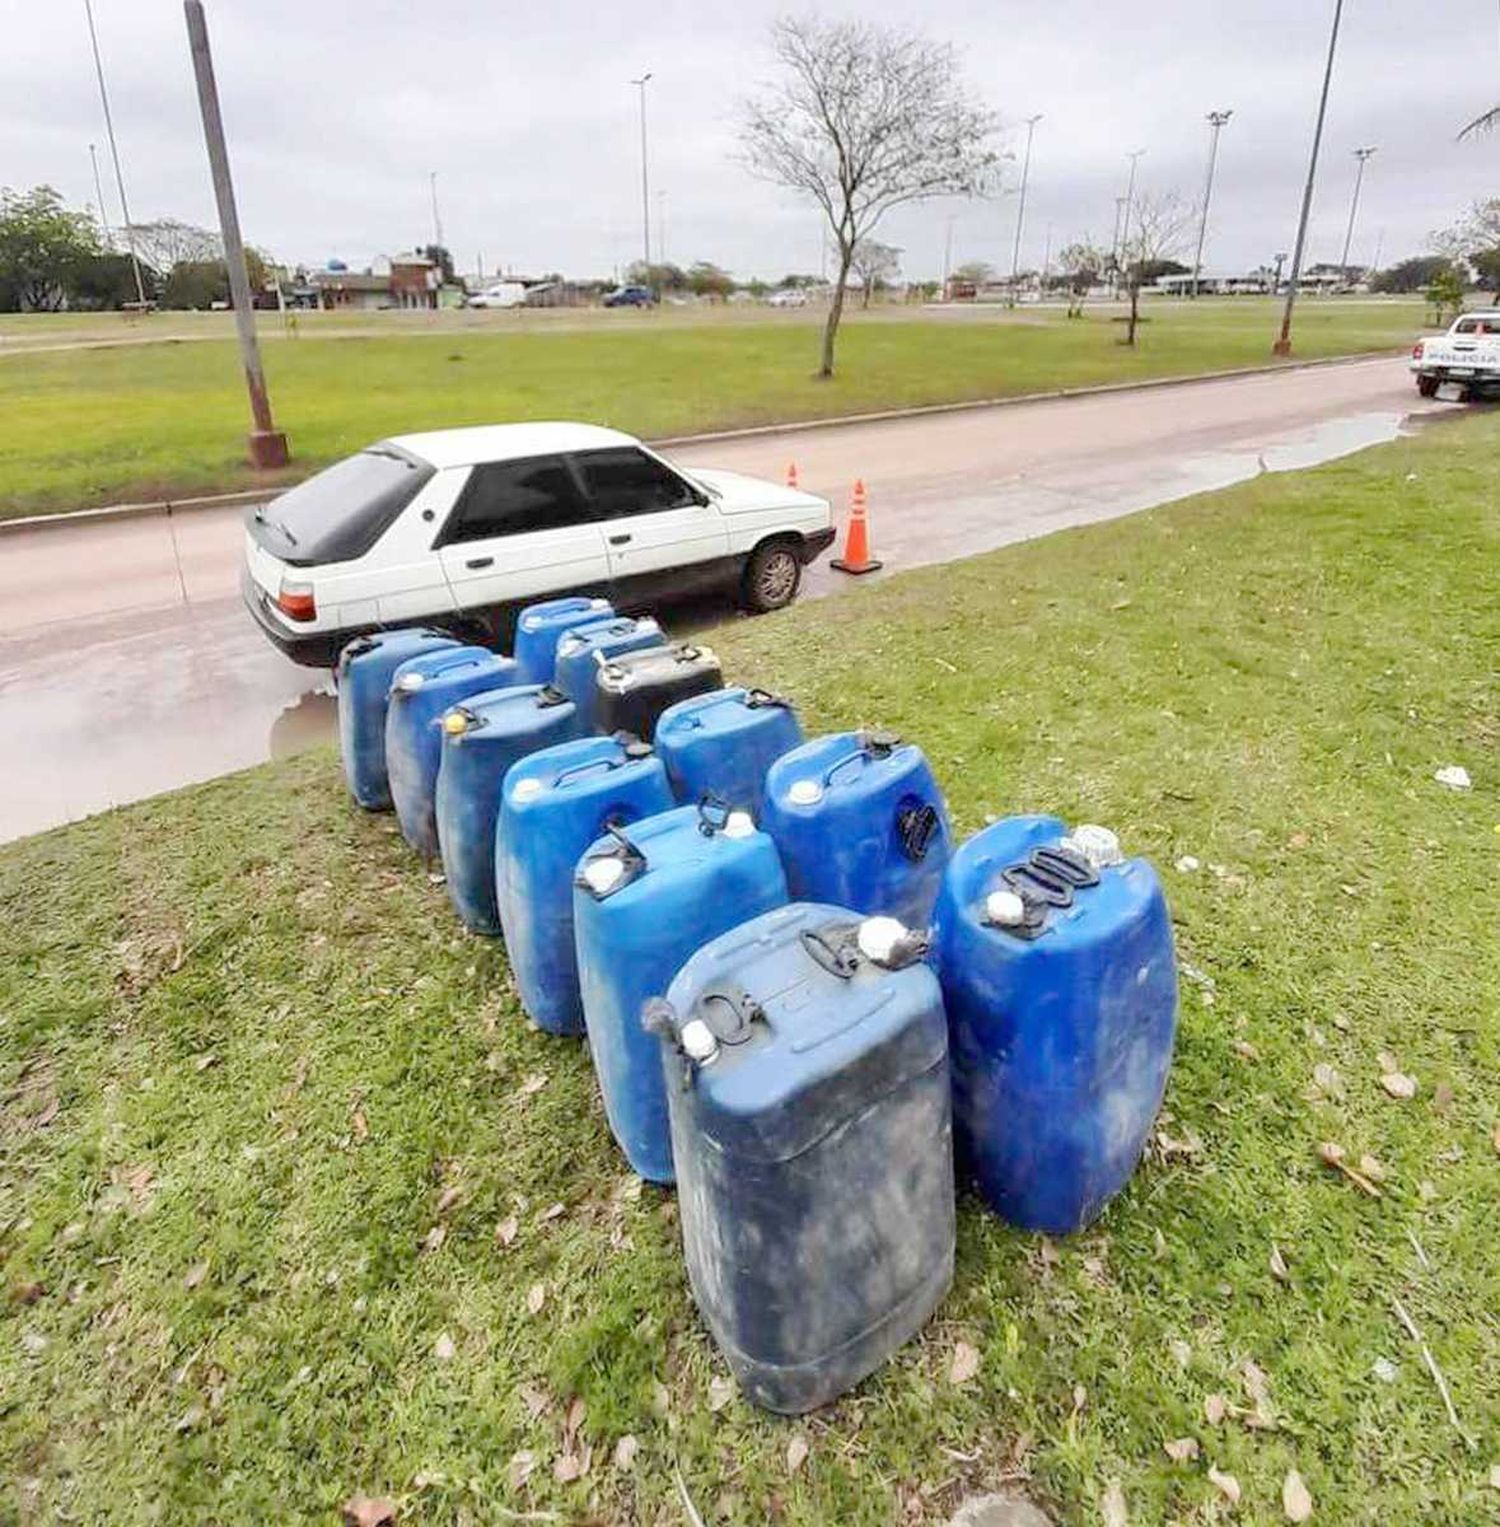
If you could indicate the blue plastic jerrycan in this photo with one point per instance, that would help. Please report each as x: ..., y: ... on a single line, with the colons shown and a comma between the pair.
x: 1060, y: 979
x: 365, y: 670
x: 482, y: 737
x: 539, y: 626
x: 721, y: 744
x: 644, y: 899
x: 581, y: 651
x: 555, y: 804
x: 860, y: 823
x: 422, y: 688
x: 806, y: 1064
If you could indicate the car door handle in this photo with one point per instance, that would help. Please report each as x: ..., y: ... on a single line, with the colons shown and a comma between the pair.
x: 477, y: 562
x: 620, y: 540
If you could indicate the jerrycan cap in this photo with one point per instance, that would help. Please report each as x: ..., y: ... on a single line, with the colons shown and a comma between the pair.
x: 805, y: 792
x: 888, y: 942
x: 527, y: 789
x: 739, y: 824
x: 633, y: 747
x: 604, y: 874
x: 1097, y: 845
x: 1005, y: 909
x: 456, y: 723
x: 699, y: 1042
x: 409, y: 683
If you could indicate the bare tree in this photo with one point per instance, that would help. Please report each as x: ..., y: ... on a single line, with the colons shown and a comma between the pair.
x: 863, y: 119
x: 1483, y: 123
x: 1082, y: 264
x: 167, y: 242
x: 875, y: 264
x: 1158, y: 228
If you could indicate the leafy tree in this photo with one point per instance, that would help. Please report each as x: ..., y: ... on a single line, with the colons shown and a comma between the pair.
x: 1446, y: 293
x: 665, y: 277
x: 439, y: 256
x: 876, y: 265
x: 973, y: 272
x: 1158, y: 225
x: 793, y: 281
x: 196, y: 284
x: 1487, y: 267
x: 864, y: 118
x: 107, y: 281
x: 1083, y: 266
x: 705, y: 279
x: 42, y: 248
x: 1413, y: 275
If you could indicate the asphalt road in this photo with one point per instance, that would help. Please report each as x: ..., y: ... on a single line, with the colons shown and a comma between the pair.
x: 127, y: 666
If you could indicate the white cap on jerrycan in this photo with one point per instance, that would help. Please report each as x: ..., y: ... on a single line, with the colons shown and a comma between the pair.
x: 699, y: 1043
x: 1005, y: 909
x: 603, y: 874
x: 1098, y: 845
x: 739, y: 824
x: 878, y: 937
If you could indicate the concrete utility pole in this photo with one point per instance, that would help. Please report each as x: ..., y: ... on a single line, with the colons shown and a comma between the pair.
x: 1283, y: 345
x: 645, y: 178
x: 267, y: 443
x: 114, y: 150
x: 1216, y: 121
x: 1363, y: 155
x: 437, y: 221
x: 99, y: 196
x: 1015, y: 256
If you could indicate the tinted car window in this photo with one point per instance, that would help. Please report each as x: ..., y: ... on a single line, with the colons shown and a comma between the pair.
x: 340, y: 513
x: 626, y: 481
x: 510, y: 498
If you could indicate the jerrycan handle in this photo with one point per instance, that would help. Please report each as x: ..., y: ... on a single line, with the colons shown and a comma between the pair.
x: 876, y: 744
x: 833, y: 947
x: 713, y: 814
x: 548, y: 696
x: 763, y: 699
x: 1047, y: 878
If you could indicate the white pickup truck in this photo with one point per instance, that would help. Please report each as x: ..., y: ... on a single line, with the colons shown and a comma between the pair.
x: 1468, y: 354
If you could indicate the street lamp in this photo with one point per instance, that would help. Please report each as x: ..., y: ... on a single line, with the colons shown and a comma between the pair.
x: 1122, y: 221
x: 1216, y: 121
x: 640, y: 84
x: 437, y: 221
x: 1363, y: 155
x: 1015, y: 258
x: 1283, y: 345
x: 114, y: 151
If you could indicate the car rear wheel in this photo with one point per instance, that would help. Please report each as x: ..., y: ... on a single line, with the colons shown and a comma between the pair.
x: 1427, y: 386
x: 772, y: 577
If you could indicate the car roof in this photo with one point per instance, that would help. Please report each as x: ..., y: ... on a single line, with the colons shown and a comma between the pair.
x: 506, y: 442
x: 1490, y: 315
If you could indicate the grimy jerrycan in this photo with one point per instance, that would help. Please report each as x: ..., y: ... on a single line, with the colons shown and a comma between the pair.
x: 722, y: 743
x: 634, y: 688
x: 539, y: 627
x: 1060, y: 980
x: 581, y: 651
x: 645, y: 898
x: 422, y: 688
x: 482, y: 737
x: 365, y: 670
x: 860, y: 823
x: 556, y: 803
x: 806, y: 1063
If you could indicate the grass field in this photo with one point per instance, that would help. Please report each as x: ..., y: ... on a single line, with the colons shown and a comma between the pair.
x: 283, y: 1175
x: 88, y: 426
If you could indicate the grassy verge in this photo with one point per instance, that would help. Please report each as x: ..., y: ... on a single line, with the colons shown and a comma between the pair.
x: 91, y: 426
x: 265, y: 1109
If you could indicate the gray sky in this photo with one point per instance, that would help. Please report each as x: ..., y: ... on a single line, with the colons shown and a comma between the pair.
x: 337, y: 112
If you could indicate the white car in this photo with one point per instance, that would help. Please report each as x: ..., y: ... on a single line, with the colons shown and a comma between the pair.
x: 1468, y: 354
x: 787, y: 297
x: 461, y: 527
x: 503, y: 294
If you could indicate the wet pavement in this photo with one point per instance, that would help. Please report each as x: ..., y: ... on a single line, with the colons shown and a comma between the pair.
x: 128, y: 667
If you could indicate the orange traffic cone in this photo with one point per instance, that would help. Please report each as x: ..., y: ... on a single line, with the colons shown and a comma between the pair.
x: 857, y: 558
x: 791, y: 474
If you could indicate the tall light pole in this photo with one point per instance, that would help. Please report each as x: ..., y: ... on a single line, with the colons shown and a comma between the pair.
x: 437, y: 221
x: 1123, y: 253
x: 99, y: 195
x: 109, y: 131
x: 1216, y: 121
x: 1015, y: 256
x: 267, y: 443
x: 661, y: 226
x: 1283, y: 345
x: 1363, y: 155
x: 645, y: 179
x: 950, y: 220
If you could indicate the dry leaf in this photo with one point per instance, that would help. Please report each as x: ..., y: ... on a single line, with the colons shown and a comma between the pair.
x: 567, y: 1468
x: 1495, y: 1476
x: 203, y: 1062
x: 796, y: 1454
x: 1182, y: 1450
x: 1215, y: 1408
x: 362, y: 1511
x: 1245, y: 1049
x: 1372, y: 1167
x: 1327, y: 1079
x: 1296, y: 1499
x: 1182, y: 1352
x: 443, y: 1348
x: 505, y: 1231
x: 1495, y: 1139
x: 450, y: 1196
x: 577, y: 1410
x: 1279, y: 1269
x: 434, y: 1238
x: 1387, y: 1062
x: 1257, y: 1385
x: 720, y: 1392
x: 1227, y: 1485
x: 965, y: 1364
x: 1442, y: 1097
x: 195, y: 1275
x: 1297, y: 840
x: 555, y: 1212
x: 533, y: 1083
x: 625, y: 1451
x: 521, y: 1465
x: 1399, y: 1085
x: 1112, y: 1506
x: 536, y: 1297
x: 360, y: 1125
x: 535, y: 1398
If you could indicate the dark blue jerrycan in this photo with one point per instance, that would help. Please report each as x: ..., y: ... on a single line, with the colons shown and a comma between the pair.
x: 1060, y: 981
x: 860, y: 823
x: 581, y: 651
x: 806, y: 1064
x: 482, y: 737
x: 723, y: 742
x: 644, y: 899
x: 366, y: 667
x: 556, y: 803
x: 539, y: 626
x: 422, y: 688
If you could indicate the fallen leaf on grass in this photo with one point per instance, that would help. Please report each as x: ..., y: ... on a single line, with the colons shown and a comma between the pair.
x: 1399, y: 1085
x: 360, y: 1124
x: 362, y: 1511
x: 520, y: 1467
x: 1495, y: 1476
x: 796, y: 1454
x: 1372, y: 1167
x: 203, y: 1062
x: 1327, y: 1080
x: 1297, y: 840
x: 1296, y: 1498
x: 1112, y: 1506
x: 191, y: 1418
x: 1442, y: 1098
x: 195, y: 1275
x: 535, y: 1398
x: 448, y: 1198
x: 1332, y: 1154
x: 536, y: 1297
x: 577, y: 1410
x: 533, y: 1084
x: 555, y: 1212
x: 965, y: 1364
x: 1385, y: 1370
x: 1495, y: 1139
x: 625, y: 1451
x: 1279, y: 1270
x: 1181, y: 1450
x: 1215, y: 1408
x: 1246, y: 1050
x: 720, y: 1392
x: 1454, y: 776
x: 570, y: 1466
x: 443, y: 1348
x: 434, y: 1238
x: 1227, y: 1485
x: 505, y: 1231
x: 1188, y: 864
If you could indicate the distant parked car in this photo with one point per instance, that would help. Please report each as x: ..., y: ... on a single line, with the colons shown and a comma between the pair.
x: 503, y: 294
x: 1469, y: 354
x: 631, y: 297
x: 787, y: 297
x: 459, y: 527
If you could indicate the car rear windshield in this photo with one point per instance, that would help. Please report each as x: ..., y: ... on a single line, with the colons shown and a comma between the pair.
x: 341, y: 513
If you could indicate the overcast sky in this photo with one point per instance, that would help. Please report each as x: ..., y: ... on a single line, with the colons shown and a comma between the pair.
x: 337, y: 112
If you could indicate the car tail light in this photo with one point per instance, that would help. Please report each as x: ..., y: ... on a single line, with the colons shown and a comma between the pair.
x: 296, y: 601
x: 1416, y: 351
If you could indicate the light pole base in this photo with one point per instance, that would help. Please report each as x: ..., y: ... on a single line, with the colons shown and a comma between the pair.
x: 268, y: 449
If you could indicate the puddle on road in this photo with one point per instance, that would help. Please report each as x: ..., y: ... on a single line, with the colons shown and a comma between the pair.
x: 310, y: 719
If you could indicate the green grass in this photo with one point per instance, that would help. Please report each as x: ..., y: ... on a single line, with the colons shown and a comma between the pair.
x: 245, y: 1054
x: 92, y: 426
